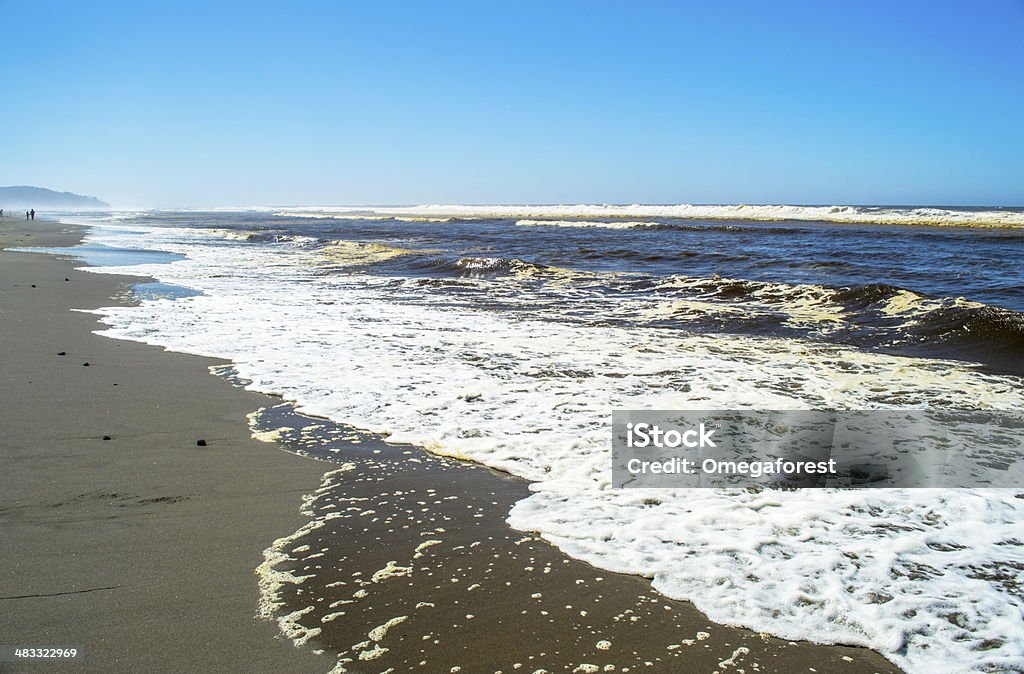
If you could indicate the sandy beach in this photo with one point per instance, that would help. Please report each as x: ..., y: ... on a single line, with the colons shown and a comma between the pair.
x: 140, y: 550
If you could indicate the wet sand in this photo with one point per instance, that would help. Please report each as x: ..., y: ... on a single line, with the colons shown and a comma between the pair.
x: 140, y: 550
x: 410, y: 565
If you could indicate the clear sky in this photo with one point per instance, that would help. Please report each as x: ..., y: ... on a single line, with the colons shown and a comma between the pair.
x: 277, y: 103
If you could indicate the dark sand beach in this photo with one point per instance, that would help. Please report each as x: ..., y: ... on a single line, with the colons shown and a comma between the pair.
x: 140, y: 550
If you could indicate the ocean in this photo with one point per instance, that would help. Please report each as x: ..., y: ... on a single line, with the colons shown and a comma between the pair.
x: 507, y: 335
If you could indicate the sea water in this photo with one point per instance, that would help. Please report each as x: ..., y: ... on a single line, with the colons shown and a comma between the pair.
x: 507, y: 335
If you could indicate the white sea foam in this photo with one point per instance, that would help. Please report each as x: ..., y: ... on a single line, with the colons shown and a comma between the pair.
x: 911, y: 573
x: 317, y: 214
x: 561, y: 214
x: 612, y: 224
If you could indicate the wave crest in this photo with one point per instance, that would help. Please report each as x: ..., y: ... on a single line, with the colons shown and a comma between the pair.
x: 883, y: 215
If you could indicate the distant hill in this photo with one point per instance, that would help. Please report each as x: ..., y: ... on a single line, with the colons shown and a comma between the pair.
x: 39, y: 198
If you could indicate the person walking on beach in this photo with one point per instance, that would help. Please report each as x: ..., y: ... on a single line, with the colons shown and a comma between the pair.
x: 33, y: 212
x: 26, y: 215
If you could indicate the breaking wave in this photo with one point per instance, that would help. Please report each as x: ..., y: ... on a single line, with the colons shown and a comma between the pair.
x: 547, y: 215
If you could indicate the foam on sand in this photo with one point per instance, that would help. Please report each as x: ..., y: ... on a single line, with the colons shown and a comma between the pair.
x: 271, y: 580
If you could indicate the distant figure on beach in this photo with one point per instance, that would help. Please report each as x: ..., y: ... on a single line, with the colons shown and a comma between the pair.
x: 33, y: 212
x: 26, y: 215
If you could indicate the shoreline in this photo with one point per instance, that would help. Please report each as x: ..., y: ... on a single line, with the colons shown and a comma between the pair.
x: 418, y: 544
x: 175, y: 400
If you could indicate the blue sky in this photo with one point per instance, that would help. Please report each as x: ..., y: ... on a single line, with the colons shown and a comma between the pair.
x: 243, y: 103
